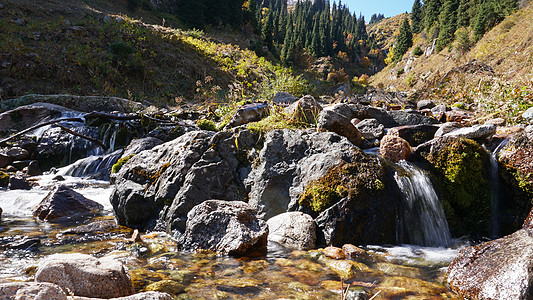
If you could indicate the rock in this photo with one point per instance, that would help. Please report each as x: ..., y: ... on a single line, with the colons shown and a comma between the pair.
x: 283, y: 98
x: 64, y: 204
x: 343, y: 92
x: 207, y: 166
x: 1, y: 213
x: 353, y: 252
x: 230, y: 227
x: 415, y: 134
x: 11, y: 169
x: 474, y: 132
x: 18, y: 183
x: 459, y: 115
x: 439, y: 112
x: 138, y: 145
x: 461, y: 167
x: 331, y: 120
x: 528, y: 222
x: 346, y: 269
x: 425, y: 104
x: 33, y: 169
x: 333, y: 252
x: 294, y: 230
x: 249, y: 113
x: 357, y: 293
x: 371, y: 129
x: 139, y: 296
x: 31, y: 290
x: 392, y: 118
x: 92, y: 228
x: 17, y: 153
x: 305, y: 110
x: 166, y: 286
x: 23, y: 117
x: 26, y: 243
x: 498, y: 269
x: 5, y: 160
x: 394, y: 148
x: 21, y: 164
x: 447, y: 128
x: 288, y: 161
x: 528, y: 115
x: 4, y: 179
x: 86, y: 276
x: 58, y: 178
x: 19, y: 22
x: 496, y: 122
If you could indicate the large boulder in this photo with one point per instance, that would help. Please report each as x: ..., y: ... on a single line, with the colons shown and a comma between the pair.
x: 294, y: 230
x: 138, y: 145
x: 31, y: 290
x: 158, y: 187
x: 499, y: 269
x: 475, y: 132
x: 230, y: 227
x: 333, y: 119
x: 462, y: 170
x: 85, y: 275
x: 64, y: 204
x: 415, y: 134
x: 394, y: 148
x: 371, y: 129
x: 391, y: 119
x: 288, y: 161
x: 5, y: 160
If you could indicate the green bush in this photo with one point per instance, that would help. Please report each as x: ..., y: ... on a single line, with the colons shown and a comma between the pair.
x: 417, y: 51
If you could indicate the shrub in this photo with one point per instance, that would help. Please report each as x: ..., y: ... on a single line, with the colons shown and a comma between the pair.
x: 206, y: 124
x: 417, y: 51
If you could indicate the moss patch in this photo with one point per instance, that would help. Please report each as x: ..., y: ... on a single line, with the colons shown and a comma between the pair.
x: 347, y: 179
x: 206, y: 124
x: 116, y: 167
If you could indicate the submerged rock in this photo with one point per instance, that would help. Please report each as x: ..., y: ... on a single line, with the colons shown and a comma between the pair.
x: 230, y: 227
x: 292, y: 230
x: 63, y: 204
x: 31, y: 290
x: 85, y: 275
x: 499, y: 269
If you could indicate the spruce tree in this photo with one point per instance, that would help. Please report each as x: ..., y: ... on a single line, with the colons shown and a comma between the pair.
x: 431, y: 13
x: 404, y: 41
x: 417, y: 17
x: 447, y: 24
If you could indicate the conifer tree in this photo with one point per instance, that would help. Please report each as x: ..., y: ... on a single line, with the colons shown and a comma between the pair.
x: 417, y: 17
x: 431, y: 13
x: 404, y: 40
x: 447, y: 24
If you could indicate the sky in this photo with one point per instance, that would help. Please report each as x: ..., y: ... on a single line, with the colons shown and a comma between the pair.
x: 387, y: 7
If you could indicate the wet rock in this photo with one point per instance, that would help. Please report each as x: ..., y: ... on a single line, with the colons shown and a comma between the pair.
x: 447, y: 128
x: 288, y: 161
x: 353, y: 252
x: 84, y: 275
x: 499, y: 269
x: 394, y: 287
x: 415, y: 134
x: 11, y: 169
x: 5, y: 160
x: 357, y: 293
x: 333, y: 252
x: 58, y: 178
x: 17, y: 153
x: 394, y: 148
x: 64, y: 204
x: 1, y: 213
x: 249, y: 113
x: 26, y: 116
x: 283, y: 98
x: 92, y: 228
x: 475, y: 132
x: 292, y: 230
x: 31, y: 290
x: 166, y: 286
x: 228, y: 227
x: 138, y: 145
x: 332, y: 119
x: 346, y: 268
x: 21, y: 164
x: 305, y: 110
x: 26, y: 243
x: 33, y: 169
x: 461, y: 167
x: 18, y: 183
x: 371, y: 129
x: 528, y: 115
x: 425, y: 104
x: 138, y: 296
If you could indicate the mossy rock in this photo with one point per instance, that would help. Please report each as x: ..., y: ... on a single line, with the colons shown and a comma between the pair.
x: 166, y: 286
x: 461, y: 167
x: 116, y: 167
x: 4, y: 179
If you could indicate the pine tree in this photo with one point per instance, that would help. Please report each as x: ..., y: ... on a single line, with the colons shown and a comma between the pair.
x: 447, y: 23
x: 404, y: 40
x: 251, y: 10
x: 485, y: 19
x: 417, y: 17
x: 431, y: 14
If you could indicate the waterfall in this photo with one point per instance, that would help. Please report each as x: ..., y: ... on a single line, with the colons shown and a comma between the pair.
x: 422, y: 219
x: 495, y: 190
x: 96, y: 167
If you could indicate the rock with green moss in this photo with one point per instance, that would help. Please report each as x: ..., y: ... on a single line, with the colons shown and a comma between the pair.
x: 4, y: 179
x: 116, y: 167
x: 461, y: 167
x: 206, y: 124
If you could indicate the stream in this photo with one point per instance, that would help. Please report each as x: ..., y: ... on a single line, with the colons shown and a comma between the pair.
x: 385, y: 272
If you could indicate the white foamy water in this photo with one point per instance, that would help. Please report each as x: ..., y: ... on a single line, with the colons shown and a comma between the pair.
x: 418, y: 256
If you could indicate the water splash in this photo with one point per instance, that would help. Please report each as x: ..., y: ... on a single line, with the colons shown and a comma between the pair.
x: 422, y: 220
x: 96, y: 167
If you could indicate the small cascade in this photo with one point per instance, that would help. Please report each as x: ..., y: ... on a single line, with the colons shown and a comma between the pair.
x: 96, y: 167
x: 422, y: 220
x: 495, y: 190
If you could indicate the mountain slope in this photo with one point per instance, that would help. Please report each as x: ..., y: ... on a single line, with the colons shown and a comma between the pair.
x: 495, y: 77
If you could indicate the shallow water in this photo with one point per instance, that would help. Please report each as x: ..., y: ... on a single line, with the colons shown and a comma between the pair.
x: 396, y: 272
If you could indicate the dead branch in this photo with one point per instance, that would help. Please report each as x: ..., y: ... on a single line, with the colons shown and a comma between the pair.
x: 65, y: 129
x: 2, y: 142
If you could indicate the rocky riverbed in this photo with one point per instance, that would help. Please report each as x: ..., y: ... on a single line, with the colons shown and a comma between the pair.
x: 245, y: 212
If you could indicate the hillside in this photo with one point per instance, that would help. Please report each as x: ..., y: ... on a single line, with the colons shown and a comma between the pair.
x: 100, y: 47
x: 384, y: 32
x: 494, y: 78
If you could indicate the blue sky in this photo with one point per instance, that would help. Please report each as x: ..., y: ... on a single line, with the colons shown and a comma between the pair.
x: 387, y: 7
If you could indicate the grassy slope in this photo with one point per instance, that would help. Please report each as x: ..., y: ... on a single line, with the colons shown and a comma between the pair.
x: 93, y: 47
x: 507, y: 92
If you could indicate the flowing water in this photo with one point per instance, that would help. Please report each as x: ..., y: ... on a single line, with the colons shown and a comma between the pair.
x: 383, y: 273
x: 422, y: 219
x: 495, y: 190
